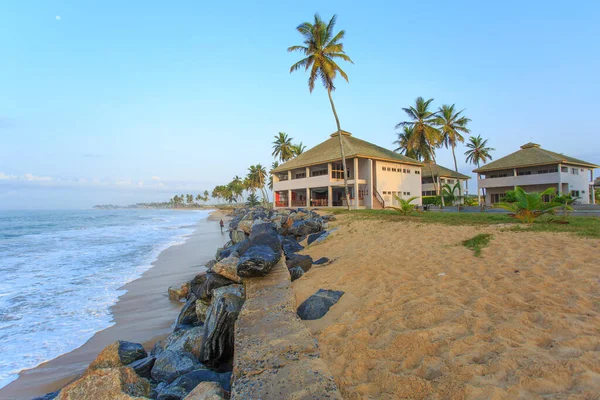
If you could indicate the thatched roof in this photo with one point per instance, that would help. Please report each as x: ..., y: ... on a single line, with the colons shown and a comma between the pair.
x: 441, y: 171
x: 329, y: 151
x: 531, y: 154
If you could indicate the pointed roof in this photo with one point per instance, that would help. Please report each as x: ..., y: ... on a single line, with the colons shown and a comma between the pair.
x: 441, y: 171
x: 329, y: 151
x: 529, y: 155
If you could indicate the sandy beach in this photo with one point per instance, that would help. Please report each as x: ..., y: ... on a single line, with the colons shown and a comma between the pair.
x: 144, y: 314
x: 423, y: 318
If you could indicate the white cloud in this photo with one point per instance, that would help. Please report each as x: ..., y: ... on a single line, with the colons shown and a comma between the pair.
x: 58, y: 17
x: 123, y: 182
x: 140, y: 184
x: 156, y: 178
x: 4, y: 176
x: 31, y: 177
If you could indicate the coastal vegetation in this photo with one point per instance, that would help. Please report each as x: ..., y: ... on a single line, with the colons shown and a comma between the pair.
x: 527, y: 207
x: 405, y: 206
x: 322, y: 47
x: 477, y: 243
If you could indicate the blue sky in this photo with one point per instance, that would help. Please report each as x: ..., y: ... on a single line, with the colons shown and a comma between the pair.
x: 118, y: 102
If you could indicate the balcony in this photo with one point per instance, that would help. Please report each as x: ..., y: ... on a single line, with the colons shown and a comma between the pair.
x: 521, y: 180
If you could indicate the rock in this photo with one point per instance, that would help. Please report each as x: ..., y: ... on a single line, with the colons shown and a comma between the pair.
x: 210, y: 264
x: 257, y: 261
x: 237, y: 236
x: 156, y: 389
x: 202, y: 285
x: 265, y: 237
x: 245, y: 226
x: 305, y: 227
x: 189, y: 340
x: 329, y: 217
x: 317, y: 305
x: 323, y: 236
x: 48, y: 396
x: 158, y: 348
x: 183, y: 385
x: 219, y: 326
x: 118, y: 354
x: 179, y: 292
x: 107, y: 384
x: 143, y: 366
x: 261, y: 227
x: 296, y: 273
x: 170, y: 365
x: 187, y: 315
x: 227, y: 267
x: 321, y: 261
x: 315, y: 236
x: 206, y: 391
x: 299, y: 260
x: 290, y: 246
x: 201, y: 309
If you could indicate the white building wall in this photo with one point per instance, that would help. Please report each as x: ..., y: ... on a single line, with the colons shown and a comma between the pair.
x: 403, y: 179
x: 579, y: 182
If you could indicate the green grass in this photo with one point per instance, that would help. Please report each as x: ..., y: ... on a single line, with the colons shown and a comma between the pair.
x: 582, y: 226
x: 478, y: 242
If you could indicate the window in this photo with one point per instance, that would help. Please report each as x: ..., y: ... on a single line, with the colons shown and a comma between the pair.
x: 337, y: 171
x: 564, y: 169
x: 521, y: 173
x: 575, y: 193
x: 574, y: 171
x: 393, y: 169
x: 383, y: 168
x: 389, y: 169
x: 417, y: 172
x: 300, y: 175
x: 318, y: 172
x: 283, y: 177
x: 450, y: 181
x: 408, y: 171
x: 495, y: 197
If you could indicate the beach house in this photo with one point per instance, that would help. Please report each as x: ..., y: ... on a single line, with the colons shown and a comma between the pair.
x: 315, y: 178
x: 441, y: 175
x: 535, y: 169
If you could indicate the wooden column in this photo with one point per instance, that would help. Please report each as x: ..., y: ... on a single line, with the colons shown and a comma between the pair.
x: 290, y: 197
x: 356, y: 182
x: 307, y: 196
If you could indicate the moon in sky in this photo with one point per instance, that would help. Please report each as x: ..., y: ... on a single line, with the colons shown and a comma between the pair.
x: 58, y: 17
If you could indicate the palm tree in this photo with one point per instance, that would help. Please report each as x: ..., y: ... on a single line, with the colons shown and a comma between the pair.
x: 404, y: 138
x: 404, y: 205
x: 205, y: 197
x: 273, y: 166
x: 257, y: 175
x: 478, y: 152
x: 425, y: 135
x: 298, y: 149
x: 282, y: 147
x: 451, y: 124
x: 321, y: 48
x: 252, y: 200
x: 529, y: 206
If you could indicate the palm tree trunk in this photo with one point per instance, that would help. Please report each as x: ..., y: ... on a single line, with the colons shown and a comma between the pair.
x: 339, y: 130
x: 435, y: 186
x: 459, y: 184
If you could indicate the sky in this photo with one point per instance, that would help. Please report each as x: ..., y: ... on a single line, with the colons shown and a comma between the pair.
x: 119, y: 102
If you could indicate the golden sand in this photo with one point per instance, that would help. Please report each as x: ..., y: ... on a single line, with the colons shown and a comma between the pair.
x: 423, y: 318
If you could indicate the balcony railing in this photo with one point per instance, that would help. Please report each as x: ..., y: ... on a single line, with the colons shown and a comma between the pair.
x: 298, y: 203
x: 281, y: 203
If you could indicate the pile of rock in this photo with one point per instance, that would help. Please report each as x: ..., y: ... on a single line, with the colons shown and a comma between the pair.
x: 200, y: 349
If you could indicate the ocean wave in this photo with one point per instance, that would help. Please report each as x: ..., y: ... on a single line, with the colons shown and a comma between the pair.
x: 60, y: 281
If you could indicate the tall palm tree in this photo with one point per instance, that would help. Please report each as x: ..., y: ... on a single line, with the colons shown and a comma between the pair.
x: 404, y: 138
x: 425, y: 134
x: 478, y: 152
x: 282, y: 147
x: 205, y: 198
x: 273, y: 166
x: 321, y: 48
x: 451, y: 124
x: 298, y: 149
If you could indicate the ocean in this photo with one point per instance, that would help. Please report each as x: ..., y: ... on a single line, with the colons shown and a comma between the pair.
x: 60, y: 273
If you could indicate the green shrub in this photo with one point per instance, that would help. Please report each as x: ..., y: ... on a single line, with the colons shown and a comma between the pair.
x: 431, y: 200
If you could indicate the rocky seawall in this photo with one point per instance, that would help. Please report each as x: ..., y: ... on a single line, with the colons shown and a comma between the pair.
x: 239, y: 334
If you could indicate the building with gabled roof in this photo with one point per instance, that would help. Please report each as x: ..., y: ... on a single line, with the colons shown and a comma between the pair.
x: 315, y: 178
x: 536, y: 169
x: 441, y: 175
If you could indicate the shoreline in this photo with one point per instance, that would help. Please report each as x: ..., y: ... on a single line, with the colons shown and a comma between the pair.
x: 133, y: 320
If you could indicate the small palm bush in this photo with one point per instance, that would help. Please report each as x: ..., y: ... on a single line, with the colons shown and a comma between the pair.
x: 527, y: 207
x: 252, y: 200
x: 404, y: 205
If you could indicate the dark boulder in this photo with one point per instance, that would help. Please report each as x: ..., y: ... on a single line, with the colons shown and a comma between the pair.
x: 320, y: 261
x: 130, y: 352
x: 210, y: 264
x: 217, y: 345
x: 257, y: 261
x: 170, y: 365
x: 186, y: 383
x: 258, y: 228
x: 305, y: 227
x: 299, y: 260
x: 158, y: 348
x: 317, y: 305
x: 143, y: 367
x: 203, y: 285
x: 296, y: 273
x: 290, y: 246
x: 187, y: 315
x: 265, y: 237
x: 188, y: 340
x: 314, y: 236
x: 118, y: 354
x: 48, y: 396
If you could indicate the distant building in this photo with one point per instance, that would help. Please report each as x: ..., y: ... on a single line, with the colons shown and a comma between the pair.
x: 315, y: 178
x: 441, y: 175
x: 535, y: 169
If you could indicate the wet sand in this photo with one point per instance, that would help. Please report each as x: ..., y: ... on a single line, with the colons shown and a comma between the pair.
x: 144, y: 314
x: 423, y: 318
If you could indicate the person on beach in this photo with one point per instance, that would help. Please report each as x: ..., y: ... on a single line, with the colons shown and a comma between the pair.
x: 222, y: 224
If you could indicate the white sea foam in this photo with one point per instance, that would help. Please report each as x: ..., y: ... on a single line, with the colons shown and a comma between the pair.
x: 60, y: 272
